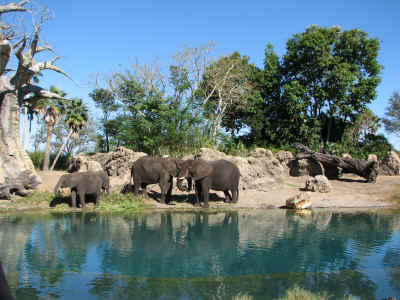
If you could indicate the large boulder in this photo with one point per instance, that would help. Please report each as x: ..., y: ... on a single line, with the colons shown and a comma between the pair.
x: 260, y: 171
x: 299, y: 201
x: 306, y: 166
x: 83, y: 163
x: 318, y: 183
x: 390, y: 164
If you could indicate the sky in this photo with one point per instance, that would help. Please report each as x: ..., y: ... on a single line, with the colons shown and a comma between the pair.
x: 98, y: 37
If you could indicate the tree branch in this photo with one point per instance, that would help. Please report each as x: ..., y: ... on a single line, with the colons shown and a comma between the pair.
x: 12, y: 7
x: 5, y: 54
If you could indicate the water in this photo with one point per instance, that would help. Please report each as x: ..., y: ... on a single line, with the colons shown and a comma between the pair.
x: 192, y: 255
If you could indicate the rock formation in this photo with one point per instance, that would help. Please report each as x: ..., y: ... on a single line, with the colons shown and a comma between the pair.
x: 318, y: 183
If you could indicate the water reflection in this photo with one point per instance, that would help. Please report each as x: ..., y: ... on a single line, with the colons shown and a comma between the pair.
x: 201, y: 255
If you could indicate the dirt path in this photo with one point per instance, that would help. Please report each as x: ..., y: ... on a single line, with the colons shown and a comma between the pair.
x: 351, y: 191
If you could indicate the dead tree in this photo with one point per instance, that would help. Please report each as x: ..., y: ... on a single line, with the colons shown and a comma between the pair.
x: 336, y: 166
x: 16, y: 89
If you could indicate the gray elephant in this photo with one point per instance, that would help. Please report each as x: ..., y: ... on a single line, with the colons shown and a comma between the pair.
x: 150, y: 170
x: 219, y: 175
x: 82, y: 184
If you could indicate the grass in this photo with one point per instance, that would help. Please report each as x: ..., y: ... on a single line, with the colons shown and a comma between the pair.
x: 113, y: 202
x: 297, y: 293
x: 116, y: 202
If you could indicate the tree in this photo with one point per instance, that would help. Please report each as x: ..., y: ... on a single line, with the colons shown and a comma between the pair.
x: 16, y: 88
x: 50, y: 109
x: 225, y: 84
x: 76, y: 117
x: 85, y: 141
x: 337, y: 72
x: 392, y: 114
x: 105, y: 100
x: 366, y: 124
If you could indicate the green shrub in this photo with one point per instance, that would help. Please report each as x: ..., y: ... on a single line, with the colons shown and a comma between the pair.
x: 37, y: 158
x: 116, y: 202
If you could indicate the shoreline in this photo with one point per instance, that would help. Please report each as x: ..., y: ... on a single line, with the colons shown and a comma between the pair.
x: 350, y: 192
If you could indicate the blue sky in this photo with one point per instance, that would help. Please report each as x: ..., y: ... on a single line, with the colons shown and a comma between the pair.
x: 100, y: 36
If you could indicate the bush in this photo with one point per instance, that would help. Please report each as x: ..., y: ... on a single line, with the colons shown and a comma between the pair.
x: 37, y: 158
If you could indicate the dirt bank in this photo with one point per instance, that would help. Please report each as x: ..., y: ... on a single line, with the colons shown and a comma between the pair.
x: 350, y: 191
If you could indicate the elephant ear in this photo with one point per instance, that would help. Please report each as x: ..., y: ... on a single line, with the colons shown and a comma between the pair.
x: 169, y: 165
x: 200, y: 169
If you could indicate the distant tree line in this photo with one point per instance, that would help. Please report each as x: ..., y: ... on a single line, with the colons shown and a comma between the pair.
x: 316, y: 93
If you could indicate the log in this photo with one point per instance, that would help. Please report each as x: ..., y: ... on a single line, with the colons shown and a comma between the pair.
x: 22, y: 185
x: 336, y: 166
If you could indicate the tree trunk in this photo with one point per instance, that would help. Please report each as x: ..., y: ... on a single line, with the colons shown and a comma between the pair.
x: 338, y: 165
x: 46, y: 160
x: 61, y: 149
x: 13, y: 158
x: 24, y: 127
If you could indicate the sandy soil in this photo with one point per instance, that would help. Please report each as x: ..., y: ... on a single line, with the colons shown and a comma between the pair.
x: 350, y: 191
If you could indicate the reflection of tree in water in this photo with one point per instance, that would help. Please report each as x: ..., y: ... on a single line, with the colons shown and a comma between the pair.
x: 257, y: 286
x: 391, y: 260
x: 211, y: 253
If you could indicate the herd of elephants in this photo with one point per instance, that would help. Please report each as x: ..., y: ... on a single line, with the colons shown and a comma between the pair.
x: 219, y: 175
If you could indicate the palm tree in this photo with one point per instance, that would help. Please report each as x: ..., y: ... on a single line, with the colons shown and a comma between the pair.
x: 50, y: 109
x: 76, y: 117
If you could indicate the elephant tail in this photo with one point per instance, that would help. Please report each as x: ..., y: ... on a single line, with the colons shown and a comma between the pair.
x: 132, y: 172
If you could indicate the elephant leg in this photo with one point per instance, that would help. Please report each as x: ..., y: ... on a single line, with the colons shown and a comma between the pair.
x: 169, y: 192
x: 205, y: 188
x: 164, y: 186
x: 144, y: 190
x: 98, y: 196
x: 197, y: 193
x: 205, y: 195
x: 235, y: 195
x: 228, y: 197
x: 136, y: 185
x: 73, y: 198
x: 82, y: 199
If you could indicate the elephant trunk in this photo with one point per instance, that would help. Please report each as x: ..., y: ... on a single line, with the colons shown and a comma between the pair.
x: 59, y: 185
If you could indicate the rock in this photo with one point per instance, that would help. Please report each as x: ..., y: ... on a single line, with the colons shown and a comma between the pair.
x: 346, y: 155
x: 261, y: 152
x: 303, y: 167
x: 318, y: 183
x: 372, y: 157
x: 21, y: 185
x: 82, y: 163
x: 284, y: 157
x: 390, y: 164
x: 300, y: 201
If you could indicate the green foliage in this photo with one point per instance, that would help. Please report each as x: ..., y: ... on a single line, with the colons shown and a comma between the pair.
x: 392, y: 114
x: 326, y: 77
x: 35, y: 200
x: 105, y: 100
x: 372, y: 144
x: 116, y: 202
x: 37, y: 158
x: 298, y: 293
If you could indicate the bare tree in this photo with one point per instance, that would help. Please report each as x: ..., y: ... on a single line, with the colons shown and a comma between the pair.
x: 225, y: 82
x: 16, y: 88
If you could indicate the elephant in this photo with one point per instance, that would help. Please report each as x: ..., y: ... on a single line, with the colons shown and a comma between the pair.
x: 5, y: 292
x: 81, y: 184
x: 150, y: 170
x: 219, y: 175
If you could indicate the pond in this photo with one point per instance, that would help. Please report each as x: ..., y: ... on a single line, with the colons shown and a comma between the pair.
x: 199, y: 255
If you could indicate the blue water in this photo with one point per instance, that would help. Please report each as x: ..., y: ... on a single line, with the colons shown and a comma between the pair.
x: 189, y: 255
